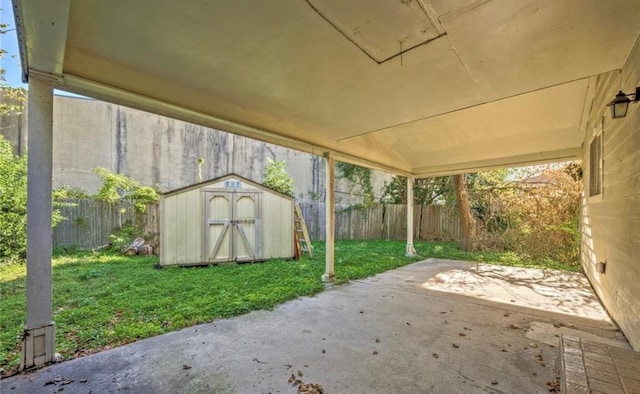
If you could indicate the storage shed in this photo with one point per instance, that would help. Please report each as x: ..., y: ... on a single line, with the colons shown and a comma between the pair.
x: 227, y: 219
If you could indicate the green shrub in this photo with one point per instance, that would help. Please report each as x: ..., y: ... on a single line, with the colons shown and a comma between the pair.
x: 13, y: 204
x: 276, y: 177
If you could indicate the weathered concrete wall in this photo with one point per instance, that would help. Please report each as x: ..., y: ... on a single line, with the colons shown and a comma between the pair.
x: 611, y: 219
x: 161, y: 151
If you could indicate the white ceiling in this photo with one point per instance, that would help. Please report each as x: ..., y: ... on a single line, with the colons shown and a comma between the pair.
x: 425, y: 87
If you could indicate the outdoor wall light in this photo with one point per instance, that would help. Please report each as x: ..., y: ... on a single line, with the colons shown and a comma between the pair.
x: 620, y: 104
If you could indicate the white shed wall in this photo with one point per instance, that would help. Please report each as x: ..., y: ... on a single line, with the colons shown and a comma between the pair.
x: 182, y: 223
x: 181, y: 229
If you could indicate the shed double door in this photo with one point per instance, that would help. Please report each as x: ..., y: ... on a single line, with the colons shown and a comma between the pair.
x: 232, y: 226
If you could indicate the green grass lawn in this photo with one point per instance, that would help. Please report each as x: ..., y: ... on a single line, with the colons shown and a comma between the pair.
x: 105, y: 300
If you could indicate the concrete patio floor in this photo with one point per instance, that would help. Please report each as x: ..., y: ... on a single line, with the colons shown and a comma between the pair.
x: 436, y: 326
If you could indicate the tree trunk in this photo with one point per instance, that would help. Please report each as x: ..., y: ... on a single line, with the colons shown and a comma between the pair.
x: 467, y: 222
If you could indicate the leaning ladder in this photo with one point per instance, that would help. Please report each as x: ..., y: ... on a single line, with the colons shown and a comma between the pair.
x: 301, y: 235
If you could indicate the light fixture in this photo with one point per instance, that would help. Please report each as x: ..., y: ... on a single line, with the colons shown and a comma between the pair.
x: 620, y: 104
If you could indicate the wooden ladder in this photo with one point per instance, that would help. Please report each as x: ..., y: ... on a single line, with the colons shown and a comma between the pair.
x: 301, y: 235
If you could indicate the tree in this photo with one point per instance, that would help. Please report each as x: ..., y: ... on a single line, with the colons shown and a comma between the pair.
x: 467, y: 221
x: 12, y: 99
x: 426, y: 191
x: 276, y: 177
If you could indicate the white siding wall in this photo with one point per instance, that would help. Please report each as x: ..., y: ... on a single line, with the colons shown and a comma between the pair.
x: 611, y: 221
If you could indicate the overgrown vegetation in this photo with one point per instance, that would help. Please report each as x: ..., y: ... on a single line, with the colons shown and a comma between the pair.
x: 13, y: 204
x: 12, y: 99
x: 277, y: 178
x: 531, y: 211
x: 359, y: 178
x: 104, y: 300
x: 117, y: 187
x: 426, y: 191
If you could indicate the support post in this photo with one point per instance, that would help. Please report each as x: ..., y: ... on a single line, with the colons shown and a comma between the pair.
x: 38, y: 346
x: 330, y: 218
x: 410, y: 251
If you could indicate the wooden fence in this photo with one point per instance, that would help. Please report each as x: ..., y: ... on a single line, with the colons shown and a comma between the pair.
x: 383, y: 221
x: 89, y: 222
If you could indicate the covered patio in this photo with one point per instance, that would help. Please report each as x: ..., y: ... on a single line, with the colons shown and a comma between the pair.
x: 437, y: 326
x: 416, y: 87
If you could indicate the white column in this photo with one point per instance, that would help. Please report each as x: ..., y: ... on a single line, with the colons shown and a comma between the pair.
x: 330, y: 218
x: 410, y: 251
x: 38, y: 339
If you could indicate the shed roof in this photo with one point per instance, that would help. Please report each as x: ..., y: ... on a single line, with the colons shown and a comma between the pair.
x: 224, y: 178
x: 423, y: 87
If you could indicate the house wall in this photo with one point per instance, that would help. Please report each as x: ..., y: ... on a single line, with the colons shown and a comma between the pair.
x: 611, y: 220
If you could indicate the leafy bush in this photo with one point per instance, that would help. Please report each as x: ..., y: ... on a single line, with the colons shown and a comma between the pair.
x: 123, y: 237
x: 276, y: 177
x: 116, y: 187
x: 13, y: 204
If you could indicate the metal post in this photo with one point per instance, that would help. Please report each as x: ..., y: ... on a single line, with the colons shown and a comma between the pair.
x: 38, y: 344
x: 330, y: 218
x: 410, y: 251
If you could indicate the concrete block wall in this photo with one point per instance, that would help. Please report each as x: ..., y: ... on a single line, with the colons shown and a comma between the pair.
x: 156, y: 150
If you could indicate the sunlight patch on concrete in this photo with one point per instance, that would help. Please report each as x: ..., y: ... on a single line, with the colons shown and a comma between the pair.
x: 555, y: 291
